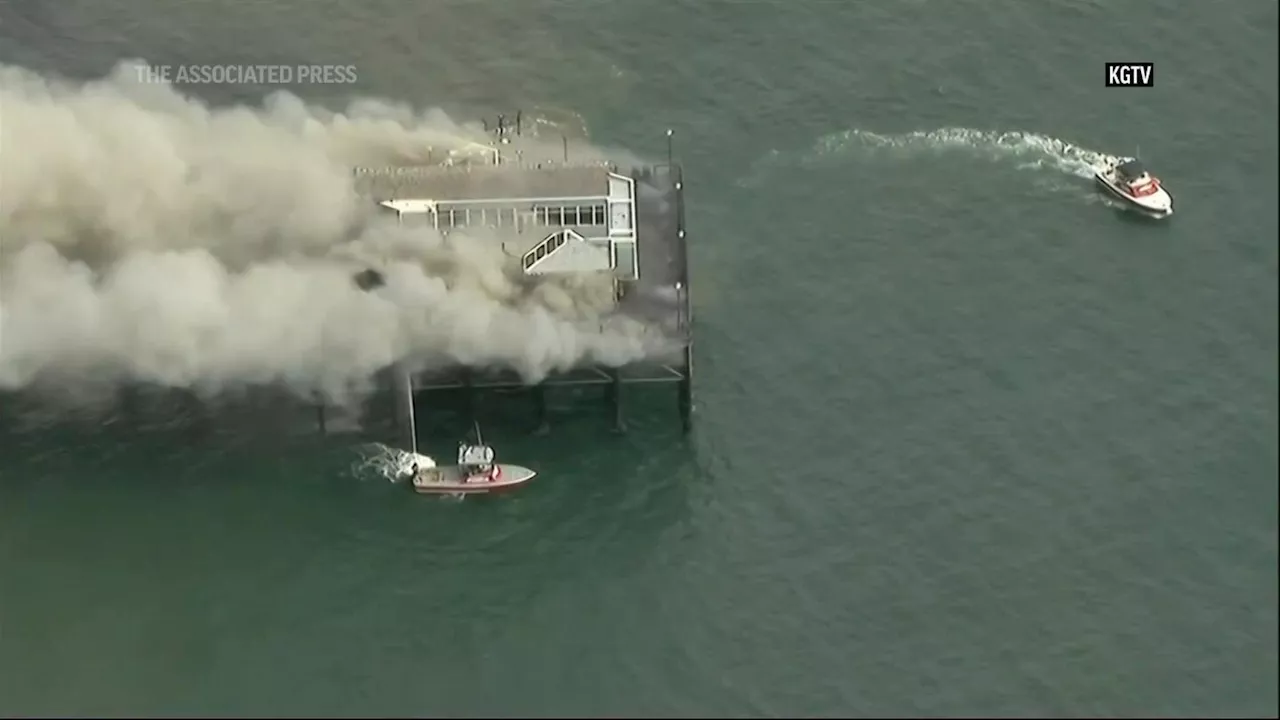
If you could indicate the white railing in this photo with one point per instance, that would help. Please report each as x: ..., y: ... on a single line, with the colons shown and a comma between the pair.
x: 549, y: 244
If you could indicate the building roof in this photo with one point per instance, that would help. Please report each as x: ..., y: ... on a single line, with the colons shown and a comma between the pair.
x: 409, y: 206
x: 491, y: 182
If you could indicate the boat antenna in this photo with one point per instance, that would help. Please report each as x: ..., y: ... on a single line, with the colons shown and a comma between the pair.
x: 479, y: 439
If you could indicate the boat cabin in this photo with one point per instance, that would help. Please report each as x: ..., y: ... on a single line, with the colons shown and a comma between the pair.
x: 1130, y: 170
x: 1133, y: 176
x: 475, y: 459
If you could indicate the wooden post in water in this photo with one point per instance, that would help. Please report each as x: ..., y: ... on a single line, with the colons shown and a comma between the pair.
x: 540, y: 409
x: 684, y: 396
x: 468, y: 396
x: 130, y: 403
x: 613, y: 395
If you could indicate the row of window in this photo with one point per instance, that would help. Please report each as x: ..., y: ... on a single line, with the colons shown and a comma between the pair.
x: 510, y: 217
x: 478, y: 217
x: 580, y: 215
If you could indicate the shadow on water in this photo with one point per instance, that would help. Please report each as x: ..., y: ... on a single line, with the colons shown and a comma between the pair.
x: 281, y: 535
x: 265, y: 416
x: 604, y: 505
x: 600, y: 504
x: 597, y: 490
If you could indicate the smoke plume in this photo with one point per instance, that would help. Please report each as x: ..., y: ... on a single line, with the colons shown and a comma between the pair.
x: 147, y: 237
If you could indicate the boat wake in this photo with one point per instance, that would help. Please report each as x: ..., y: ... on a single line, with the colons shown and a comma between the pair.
x: 1029, y: 150
x: 389, y: 463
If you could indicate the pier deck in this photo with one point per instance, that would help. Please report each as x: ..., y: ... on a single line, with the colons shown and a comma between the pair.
x: 658, y: 297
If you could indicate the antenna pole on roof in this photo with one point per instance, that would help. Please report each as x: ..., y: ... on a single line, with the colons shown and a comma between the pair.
x: 518, y: 114
x: 669, y: 150
x: 564, y: 139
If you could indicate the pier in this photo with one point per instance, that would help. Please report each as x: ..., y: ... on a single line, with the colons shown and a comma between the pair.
x: 558, y: 216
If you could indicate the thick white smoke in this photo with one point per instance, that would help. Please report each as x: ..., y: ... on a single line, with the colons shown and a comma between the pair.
x: 147, y: 237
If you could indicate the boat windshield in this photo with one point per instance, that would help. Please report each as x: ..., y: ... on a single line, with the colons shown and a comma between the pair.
x: 1144, y: 186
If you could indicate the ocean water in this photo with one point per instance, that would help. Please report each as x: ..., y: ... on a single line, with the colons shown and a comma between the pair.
x: 968, y: 440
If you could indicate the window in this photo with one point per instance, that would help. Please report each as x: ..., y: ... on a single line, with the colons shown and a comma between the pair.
x: 568, y: 216
x: 445, y: 219
x: 542, y: 252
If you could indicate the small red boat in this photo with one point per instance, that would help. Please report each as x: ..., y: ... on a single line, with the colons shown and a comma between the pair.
x: 476, y: 473
x: 458, y: 480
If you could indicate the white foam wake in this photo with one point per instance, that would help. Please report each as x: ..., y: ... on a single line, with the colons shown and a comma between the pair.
x: 1029, y: 149
x: 389, y: 463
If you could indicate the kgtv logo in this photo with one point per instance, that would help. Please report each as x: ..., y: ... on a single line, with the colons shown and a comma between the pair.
x: 1131, y: 74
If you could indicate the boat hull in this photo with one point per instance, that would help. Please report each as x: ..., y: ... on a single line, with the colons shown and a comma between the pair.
x: 449, y: 480
x: 1129, y: 202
